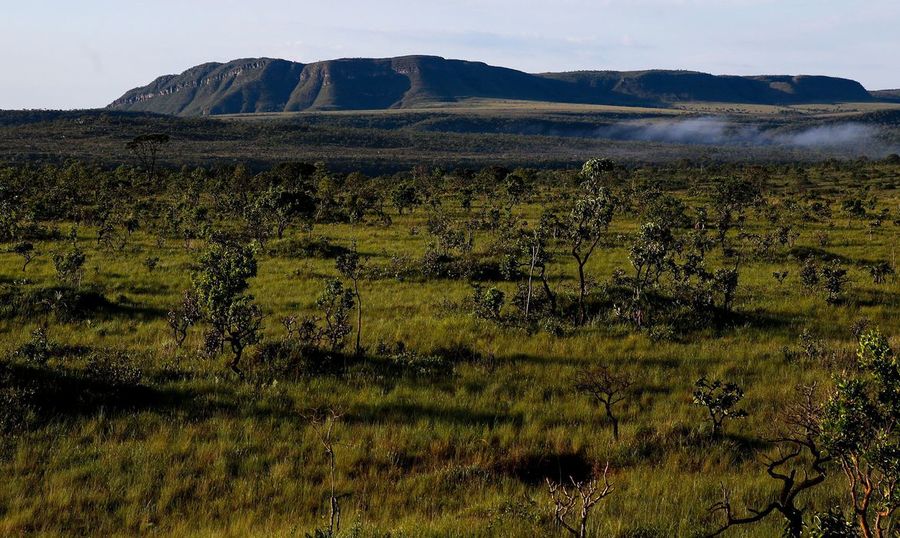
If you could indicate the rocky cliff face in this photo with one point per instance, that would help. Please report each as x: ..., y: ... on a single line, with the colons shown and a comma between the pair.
x: 271, y: 85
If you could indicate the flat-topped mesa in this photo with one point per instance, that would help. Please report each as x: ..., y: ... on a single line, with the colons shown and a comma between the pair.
x: 271, y: 85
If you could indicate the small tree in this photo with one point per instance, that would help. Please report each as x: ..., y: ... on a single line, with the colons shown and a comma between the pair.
x: 731, y: 198
x: 589, y: 219
x: 488, y: 303
x: 220, y: 281
x: 651, y: 255
x: 880, y: 271
x: 607, y: 388
x: 809, y: 273
x: 70, y: 266
x: 404, y: 196
x: 282, y: 206
x: 725, y: 282
x: 146, y: 149
x: 720, y: 400
x: 834, y: 278
x: 336, y: 302
x: 352, y: 267
x: 186, y: 314
x: 241, y: 329
x: 572, y: 503
x: 26, y: 251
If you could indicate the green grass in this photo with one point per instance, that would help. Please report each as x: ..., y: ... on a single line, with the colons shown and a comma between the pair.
x: 210, y: 456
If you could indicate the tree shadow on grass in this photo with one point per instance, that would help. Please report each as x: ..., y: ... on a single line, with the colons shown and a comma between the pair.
x: 410, y: 413
x: 69, y: 304
x: 822, y: 255
x: 870, y: 297
x: 53, y: 393
x: 131, y: 311
x: 522, y: 358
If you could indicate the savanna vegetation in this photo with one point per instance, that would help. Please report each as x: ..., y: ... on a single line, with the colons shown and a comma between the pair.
x: 284, y: 350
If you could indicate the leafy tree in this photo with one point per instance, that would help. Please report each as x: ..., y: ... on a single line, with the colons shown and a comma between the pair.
x: 186, y: 314
x: 515, y: 187
x: 488, y: 303
x: 241, y: 328
x: 854, y: 207
x: 880, y: 271
x: 336, y: 302
x: 10, y: 214
x: 69, y: 266
x: 589, y: 219
x: 731, y: 198
x: 861, y: 429
x: 720, y: 399
x: 651, y: 255
x: 26, y: 251
x: 726, y: 283
x: 404, y: 196
x: 220, y: 280
x: 809, y: 273
x: 834, y: 278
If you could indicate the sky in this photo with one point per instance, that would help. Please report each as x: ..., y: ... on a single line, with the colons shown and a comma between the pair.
x: 85, y: 53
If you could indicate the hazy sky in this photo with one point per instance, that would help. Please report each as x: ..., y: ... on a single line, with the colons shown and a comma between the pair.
x: 85, y: 53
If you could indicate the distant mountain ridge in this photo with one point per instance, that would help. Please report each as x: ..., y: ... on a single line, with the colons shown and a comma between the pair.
x: 271, y: 85
x: 892, y: 96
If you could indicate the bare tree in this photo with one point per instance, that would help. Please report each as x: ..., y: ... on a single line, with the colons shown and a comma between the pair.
x: 572, y: 503
x: 323, y: 423
x: 607, y: 387
x: 798, y: 446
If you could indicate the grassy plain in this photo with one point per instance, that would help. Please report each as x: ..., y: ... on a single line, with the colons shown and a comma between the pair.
x: 204, y: 454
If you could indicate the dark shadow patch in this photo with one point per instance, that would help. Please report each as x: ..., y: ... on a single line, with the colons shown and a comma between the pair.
x: 306, y: 247
x: 59, y: 393
x: 536, y: 468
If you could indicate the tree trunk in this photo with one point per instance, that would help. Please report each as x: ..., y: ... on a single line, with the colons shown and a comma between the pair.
x: 238, y: 351
x: 794, y: 527
x: 547, y: 289
x: 582, y: 310
x: 534, y: 253
x: 614, y: 421
x: 358, y: 318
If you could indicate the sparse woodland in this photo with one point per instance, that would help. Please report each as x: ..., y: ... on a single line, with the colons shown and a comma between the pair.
x: 616, y: 351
